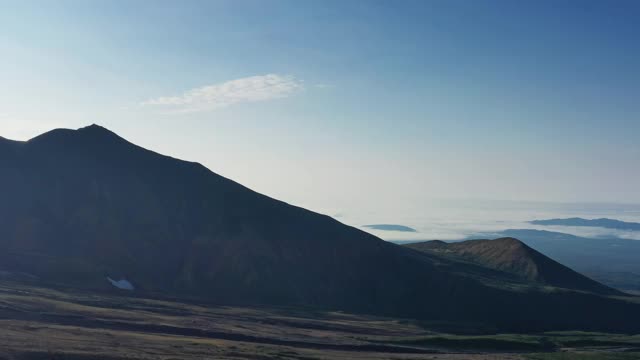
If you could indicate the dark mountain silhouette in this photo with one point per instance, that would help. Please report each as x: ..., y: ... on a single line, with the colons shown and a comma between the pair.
x: 515, y: 257
x: 603, y: 222
x: 79, y: 206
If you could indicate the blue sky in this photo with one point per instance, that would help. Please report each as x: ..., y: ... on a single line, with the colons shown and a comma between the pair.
x: 346, y: 106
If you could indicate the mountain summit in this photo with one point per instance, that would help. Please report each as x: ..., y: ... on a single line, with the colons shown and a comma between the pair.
x: 83, y: 206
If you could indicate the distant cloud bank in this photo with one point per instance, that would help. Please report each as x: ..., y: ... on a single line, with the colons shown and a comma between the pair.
x: 602, y: 222
x: 243, y: 90
x: 390, y: 227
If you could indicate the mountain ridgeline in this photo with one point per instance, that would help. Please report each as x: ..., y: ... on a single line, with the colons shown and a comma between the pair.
x: 82, y: 205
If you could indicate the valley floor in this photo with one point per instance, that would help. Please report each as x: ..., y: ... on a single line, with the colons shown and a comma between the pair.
x: 45, y: 323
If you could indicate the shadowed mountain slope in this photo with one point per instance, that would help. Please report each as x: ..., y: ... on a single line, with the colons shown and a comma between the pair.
x: 82, y: 205
x: 515, y: 257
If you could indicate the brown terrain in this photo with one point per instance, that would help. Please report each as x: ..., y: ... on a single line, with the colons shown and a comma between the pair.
x: 45, y: 323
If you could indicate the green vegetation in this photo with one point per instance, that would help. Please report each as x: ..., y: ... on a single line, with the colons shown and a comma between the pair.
x: 588, y: 339
x: 502, y: 342
x: 585, y: 356
x: 545, y: 342
x: 63, y: 323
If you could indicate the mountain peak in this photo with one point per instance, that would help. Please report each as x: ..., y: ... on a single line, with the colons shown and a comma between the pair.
x: 99, y: 133
x: 97, y: 130
x: 509, y: 239
x: 510, y: 242
x: 92, y: 135
x: 428, y: 245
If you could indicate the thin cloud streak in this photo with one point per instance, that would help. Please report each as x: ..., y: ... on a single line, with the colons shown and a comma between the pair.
x: 244, y: 90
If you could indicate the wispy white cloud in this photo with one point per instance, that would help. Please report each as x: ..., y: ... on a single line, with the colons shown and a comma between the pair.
x: 244, y: 90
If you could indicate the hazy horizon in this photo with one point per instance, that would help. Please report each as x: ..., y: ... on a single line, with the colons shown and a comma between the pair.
x: 364, y: 107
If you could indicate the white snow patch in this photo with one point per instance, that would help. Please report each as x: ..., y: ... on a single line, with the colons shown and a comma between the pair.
x: 121, y: 284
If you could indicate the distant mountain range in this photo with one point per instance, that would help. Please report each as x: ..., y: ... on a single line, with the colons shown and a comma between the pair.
x: 603, y: 222
x: 86, y: 208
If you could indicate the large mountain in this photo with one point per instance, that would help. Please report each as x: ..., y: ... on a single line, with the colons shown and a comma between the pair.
x: 79, y: 206
x: 515, y: 257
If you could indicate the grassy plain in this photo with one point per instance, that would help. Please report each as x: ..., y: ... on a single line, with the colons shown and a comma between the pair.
x: 47, y: 323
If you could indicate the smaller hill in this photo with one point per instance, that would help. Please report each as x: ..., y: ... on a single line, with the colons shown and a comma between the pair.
x: 512, y: 256
x: 610, y: 260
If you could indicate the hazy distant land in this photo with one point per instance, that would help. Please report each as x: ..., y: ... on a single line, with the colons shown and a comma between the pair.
x: 602, y: 222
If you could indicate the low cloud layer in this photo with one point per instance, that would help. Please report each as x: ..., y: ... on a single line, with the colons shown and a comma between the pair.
x: 244, y: 90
